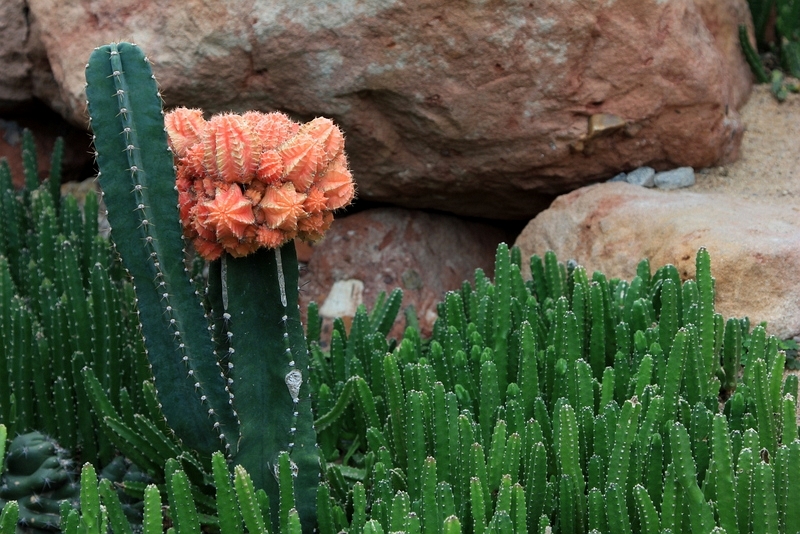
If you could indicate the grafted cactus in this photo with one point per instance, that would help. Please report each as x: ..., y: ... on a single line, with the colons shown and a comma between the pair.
x: 246, y: 186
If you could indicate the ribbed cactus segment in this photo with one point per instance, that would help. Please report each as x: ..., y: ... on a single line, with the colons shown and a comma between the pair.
x: 765, y: 512
x: 137, y: 177
x: 9, y: 518
x: 270, y: 360
x: 701, y: 516
x: 724, y: 481
x: 648, y: 516
x: 705, y: 313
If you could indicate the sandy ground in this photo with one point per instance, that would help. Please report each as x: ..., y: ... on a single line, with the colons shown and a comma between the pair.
x: 769, y: 167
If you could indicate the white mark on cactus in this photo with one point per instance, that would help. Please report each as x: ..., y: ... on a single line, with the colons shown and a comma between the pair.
x: 224, y: 276
x: 281, y: 280
x: 294, y: 379
x: 292, y: 467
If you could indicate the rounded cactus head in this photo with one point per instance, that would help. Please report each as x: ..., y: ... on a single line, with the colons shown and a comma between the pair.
x: 256, y: 180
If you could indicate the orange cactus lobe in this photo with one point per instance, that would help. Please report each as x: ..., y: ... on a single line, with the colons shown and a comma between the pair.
x: 270, y: 167
x: 281, y: 207
x: 194, y: 160
x: 337, y: 184
x: 314, y: 227
x: 270, y: 238
x: 233, y: 153
x: 315, y: 201
x: 209, y: 250
x: 230, y: 212
x: 184, y: 127
x: 301, y: 158
x: 272, y: 130
x: 328, y: 135
x: 199, y: 222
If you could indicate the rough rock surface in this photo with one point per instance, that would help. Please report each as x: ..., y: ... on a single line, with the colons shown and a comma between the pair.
x: 377, y: 250
x: 15, y: 82
x: 475, y: 108
x: 754, y: 247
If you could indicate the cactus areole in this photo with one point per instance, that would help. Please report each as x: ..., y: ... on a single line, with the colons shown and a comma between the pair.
x: 241, y: 188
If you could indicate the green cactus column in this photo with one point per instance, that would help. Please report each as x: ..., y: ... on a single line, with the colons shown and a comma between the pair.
x: 138, y: 181
x: 269, y: 370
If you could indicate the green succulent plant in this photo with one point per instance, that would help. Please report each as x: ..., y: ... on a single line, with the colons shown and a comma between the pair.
x: 785, y: 47
x: 39, y: 476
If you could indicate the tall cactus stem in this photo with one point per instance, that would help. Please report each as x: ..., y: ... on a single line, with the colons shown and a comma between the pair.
x: 137, y: 177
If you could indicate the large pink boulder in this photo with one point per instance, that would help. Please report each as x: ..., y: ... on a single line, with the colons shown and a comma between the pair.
x: 479, y: 108
x: 754, y: 246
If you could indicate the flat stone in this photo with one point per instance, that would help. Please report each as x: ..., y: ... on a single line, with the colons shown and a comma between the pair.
x: 643, y: 176
x: 343, y: 299
x: 621, y: 177
x: 754, y: 246
x: 675, y: 179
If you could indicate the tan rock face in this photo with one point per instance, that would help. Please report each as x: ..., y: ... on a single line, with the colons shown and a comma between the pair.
x: 476, y: 108
x: 754, y: 247
x: 377, y: 250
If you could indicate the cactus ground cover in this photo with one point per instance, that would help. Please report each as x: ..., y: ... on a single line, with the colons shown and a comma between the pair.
x: 565, y: 403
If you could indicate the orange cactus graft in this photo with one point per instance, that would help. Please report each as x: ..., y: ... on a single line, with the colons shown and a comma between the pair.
x: 256, y: 180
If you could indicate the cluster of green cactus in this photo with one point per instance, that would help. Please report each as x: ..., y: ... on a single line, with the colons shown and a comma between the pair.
x: 37, y: 475
x: 574, y: 403
x: 557, y: 404
x: 786, y: 15
x: 242, y: 507
x: 63, y: 307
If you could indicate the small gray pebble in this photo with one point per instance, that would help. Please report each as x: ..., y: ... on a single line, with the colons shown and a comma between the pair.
x: 643, y: 176
x: 675, y: 179
x: 619, y: 178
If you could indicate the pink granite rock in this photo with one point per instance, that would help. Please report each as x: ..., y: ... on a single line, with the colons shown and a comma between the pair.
x: 754, y: 247
x: 475, y: 108
x: 380, y: 249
